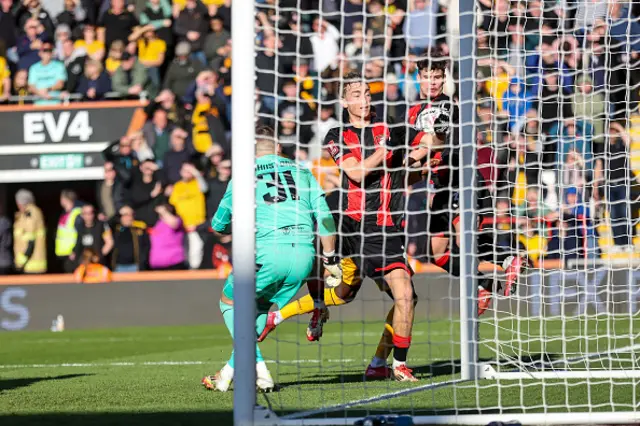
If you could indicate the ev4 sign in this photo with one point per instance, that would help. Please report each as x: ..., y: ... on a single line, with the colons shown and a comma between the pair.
x: 40, y: 127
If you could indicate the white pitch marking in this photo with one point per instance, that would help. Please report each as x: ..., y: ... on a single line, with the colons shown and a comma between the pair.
x: 163, y: 363
x: 186, y: 363
x: 331, y: 335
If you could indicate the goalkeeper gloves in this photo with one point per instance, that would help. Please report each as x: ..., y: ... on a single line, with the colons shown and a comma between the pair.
x: 331, y: 263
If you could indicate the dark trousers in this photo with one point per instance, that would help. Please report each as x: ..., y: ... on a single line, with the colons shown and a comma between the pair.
x: 66, y: 265
x: 619, y: 211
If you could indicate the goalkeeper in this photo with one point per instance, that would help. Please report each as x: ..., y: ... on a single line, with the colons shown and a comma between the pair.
x: 288, y: 201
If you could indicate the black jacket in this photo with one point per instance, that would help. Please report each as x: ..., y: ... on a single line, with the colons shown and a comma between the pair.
x: 124, y: 165
x: 75, y: 71
x: 140, y: 241
x: 139, y: 198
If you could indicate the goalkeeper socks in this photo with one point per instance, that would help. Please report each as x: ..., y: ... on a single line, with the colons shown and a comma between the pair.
x: 261, y: 368
x: 400, y: 349
x: 227, y: 371
x: 227, y: 315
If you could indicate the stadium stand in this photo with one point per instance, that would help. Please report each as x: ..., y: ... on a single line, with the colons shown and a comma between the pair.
x: 542, y: 100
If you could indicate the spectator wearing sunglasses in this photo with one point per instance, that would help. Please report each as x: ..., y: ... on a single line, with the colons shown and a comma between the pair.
x: 47, y: 77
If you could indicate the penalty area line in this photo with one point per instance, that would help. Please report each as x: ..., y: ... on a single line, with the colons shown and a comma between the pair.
x: 167, y: 363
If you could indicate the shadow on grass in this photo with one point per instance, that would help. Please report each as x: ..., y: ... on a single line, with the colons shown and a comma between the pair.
x: 221, y: 418
x: 433, y: 370
x: 436, y: 369
x: 10, y: 384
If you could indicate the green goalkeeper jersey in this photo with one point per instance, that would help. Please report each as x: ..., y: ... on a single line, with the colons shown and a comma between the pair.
x: 288, y: 202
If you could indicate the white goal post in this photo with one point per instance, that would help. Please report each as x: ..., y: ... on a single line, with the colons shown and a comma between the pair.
x: 573, y: 324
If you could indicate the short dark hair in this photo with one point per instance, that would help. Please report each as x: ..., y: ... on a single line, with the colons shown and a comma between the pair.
x: 436, y: 60
x: 352, y: 77
x: 265, y: 132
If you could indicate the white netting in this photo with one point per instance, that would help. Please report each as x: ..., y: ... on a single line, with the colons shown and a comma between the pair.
x: 557, y: 130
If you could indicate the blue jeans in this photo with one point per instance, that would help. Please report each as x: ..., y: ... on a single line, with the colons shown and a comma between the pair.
x: 154, y: 76
x: 200, y: 56
x: 269, y: 102
x: 619, y: 211
x: 126, y: 268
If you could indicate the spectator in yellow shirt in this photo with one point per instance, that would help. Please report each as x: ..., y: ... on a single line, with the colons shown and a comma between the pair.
x: 151, y: 51
x: 115, y: 57
x: 187, y: 196
x: 326, y: 172
x: 5, y: 80
x: 90, y: 42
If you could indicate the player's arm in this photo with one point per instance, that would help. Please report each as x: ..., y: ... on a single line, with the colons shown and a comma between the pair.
x: 347, y: 162
x: 358, y: 170
x: 434, y: 126
x: 221, y: 221
x: 326, y: 231
x: 428, y: 142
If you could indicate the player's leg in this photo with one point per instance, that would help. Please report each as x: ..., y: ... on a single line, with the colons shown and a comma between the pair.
x: 446, y: 254
x: 266, y: 277
x: 344, y: 293
x: 508, y: 261
x: 378, y: 367
x: 401, y: 286
x: 295, y: 264
x: 221, y: 381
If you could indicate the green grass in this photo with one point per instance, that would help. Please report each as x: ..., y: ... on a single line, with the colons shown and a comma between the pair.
x: 117, y: 376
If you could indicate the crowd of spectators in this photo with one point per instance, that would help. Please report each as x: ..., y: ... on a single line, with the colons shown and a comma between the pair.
x: 558, y: 82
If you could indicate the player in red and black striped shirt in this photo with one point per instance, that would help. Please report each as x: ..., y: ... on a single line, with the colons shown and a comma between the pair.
x: 438, y: 115
x: 375, y: 161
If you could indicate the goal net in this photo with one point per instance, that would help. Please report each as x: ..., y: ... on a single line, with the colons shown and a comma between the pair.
x: 509, y: 176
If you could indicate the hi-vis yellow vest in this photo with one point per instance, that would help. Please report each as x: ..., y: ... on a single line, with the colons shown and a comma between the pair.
x: 66, y: 236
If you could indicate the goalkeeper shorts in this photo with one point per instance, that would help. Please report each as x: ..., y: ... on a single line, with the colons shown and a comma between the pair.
x: 281, y: 269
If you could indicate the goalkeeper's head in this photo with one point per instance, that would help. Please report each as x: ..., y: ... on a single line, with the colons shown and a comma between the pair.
x: 265, y: 141
x: 356, y: 97
x: 432, y: 71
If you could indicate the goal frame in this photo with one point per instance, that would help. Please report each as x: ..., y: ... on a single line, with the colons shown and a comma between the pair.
x: 246, y: 412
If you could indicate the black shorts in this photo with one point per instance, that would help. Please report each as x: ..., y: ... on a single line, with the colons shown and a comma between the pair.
x: 443, y: 213
x: 374, y: 252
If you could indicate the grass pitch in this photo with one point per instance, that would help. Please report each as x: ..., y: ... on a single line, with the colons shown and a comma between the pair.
x: 151, y: 376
